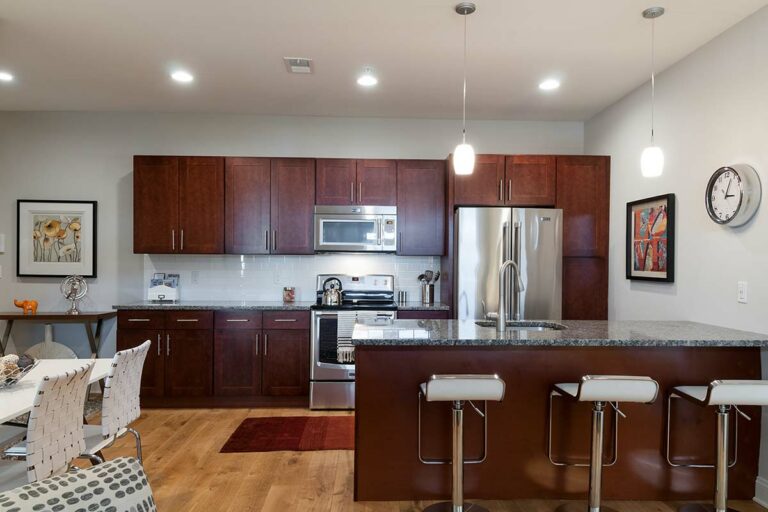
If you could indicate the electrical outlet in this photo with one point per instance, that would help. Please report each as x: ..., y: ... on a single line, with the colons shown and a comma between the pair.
x: 195, y: 276
x: 1, y: 271
x: 742, y: 296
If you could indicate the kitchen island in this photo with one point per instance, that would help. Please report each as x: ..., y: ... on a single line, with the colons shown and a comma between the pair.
x: 392, y: 361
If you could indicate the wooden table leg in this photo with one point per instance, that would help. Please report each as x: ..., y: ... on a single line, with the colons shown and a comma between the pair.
x: 6, y: 337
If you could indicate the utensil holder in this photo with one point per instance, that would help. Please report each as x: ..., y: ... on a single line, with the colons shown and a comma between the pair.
x: 427, y: 293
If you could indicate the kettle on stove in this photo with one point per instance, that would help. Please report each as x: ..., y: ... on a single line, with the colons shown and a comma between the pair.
x: 332, y: 292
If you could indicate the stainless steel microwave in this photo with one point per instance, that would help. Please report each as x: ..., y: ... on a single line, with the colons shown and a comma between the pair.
x: 355, y: 228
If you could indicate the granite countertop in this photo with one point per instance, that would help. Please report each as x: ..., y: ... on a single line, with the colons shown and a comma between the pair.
x: 579, y: 333
x: 418, y: 306
x: 217, y: 304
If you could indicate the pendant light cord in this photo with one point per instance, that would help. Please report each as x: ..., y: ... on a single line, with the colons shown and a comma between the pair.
x: 653, y: 74
x: 464, y: 93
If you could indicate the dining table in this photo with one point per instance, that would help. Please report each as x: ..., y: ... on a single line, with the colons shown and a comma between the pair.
x: 18, y: 399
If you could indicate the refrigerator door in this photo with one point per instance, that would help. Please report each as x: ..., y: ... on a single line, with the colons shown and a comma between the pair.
x: 537, y: 235
x: 482, y: 243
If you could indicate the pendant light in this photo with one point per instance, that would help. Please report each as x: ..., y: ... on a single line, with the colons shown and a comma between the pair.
x: 464, y: 154
x: 652, y: 159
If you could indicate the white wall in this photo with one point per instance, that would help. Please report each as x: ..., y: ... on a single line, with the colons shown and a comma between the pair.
x: 711, y: 110
x: 88, y: 156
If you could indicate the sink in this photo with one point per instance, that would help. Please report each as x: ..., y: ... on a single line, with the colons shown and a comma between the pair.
x: 525, y: 325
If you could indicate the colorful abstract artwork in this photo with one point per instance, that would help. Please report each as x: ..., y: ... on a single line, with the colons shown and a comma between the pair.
x: 650, y: 239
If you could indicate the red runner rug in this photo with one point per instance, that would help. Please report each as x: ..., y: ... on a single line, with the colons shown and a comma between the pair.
x: 292, y: 433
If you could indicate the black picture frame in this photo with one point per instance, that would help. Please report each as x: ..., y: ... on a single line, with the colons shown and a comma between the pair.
x: 21, y: 267
x: 667, y: 276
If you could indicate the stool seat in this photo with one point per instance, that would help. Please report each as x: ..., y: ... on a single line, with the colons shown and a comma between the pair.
x: 452, y: 388
x: 610, y: 388
x: 726, y: 392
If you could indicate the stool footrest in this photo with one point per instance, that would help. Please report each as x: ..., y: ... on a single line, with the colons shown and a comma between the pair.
x: 448, y: 461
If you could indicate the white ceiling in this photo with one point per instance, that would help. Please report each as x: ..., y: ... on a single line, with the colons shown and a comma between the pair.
x: 115, y: 55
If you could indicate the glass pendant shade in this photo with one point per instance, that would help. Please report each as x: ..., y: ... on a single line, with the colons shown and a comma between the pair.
x: 652, y: 162
x: 464, y: 159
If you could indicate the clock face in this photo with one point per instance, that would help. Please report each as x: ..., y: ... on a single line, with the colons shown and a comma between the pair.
x: 724, y: 195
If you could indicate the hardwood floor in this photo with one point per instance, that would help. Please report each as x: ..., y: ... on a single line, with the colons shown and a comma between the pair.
x: 187, y: 472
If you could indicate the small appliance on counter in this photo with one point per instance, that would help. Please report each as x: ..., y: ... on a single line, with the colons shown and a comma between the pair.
x: 164, y: 288
x: 341, y: 301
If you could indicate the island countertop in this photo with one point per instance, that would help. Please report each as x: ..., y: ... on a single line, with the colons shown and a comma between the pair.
x: 586, y: 333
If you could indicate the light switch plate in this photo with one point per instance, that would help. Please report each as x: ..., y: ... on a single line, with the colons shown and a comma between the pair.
x: 742, y: 292
x: 2, y: 243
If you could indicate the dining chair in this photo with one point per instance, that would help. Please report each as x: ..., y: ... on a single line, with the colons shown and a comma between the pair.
x: 54, y: 432
x: 120, y: 405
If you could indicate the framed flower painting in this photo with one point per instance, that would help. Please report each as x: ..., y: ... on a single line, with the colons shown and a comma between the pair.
x: 651, y: 239
x: 55, y: 238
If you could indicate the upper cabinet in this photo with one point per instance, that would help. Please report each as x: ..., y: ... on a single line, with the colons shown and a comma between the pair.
x: 292, y: 208
x: 247, y: 205
x: 343, y: 181
x: 583, y: 195
x: 421, y: 207
x: 531, y: 180
x: 484, y: 187
x: 178, y: 205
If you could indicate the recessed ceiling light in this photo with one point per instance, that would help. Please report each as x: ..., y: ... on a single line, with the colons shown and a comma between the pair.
x: 550, y: 84
x: 367, y: 79
x: 182, y: 76
x: 6, y: 76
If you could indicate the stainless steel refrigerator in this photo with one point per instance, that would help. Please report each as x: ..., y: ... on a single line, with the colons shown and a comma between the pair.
x: 486, y: 237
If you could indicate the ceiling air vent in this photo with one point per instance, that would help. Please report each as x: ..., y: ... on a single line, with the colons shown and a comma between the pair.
x: 298, y: 64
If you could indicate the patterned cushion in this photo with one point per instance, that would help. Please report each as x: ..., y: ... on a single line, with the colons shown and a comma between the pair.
x: 119, y: 485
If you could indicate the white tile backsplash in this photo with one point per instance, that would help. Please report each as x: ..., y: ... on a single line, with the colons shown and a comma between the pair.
x: 232, y: 277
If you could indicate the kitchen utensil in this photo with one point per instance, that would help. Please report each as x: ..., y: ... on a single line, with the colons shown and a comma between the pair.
x: 428, y: 275
x: 427, y: 293
x: 437, y: 276
x: 402, y: 296
x: 332, y: 292
x: 421, y: 278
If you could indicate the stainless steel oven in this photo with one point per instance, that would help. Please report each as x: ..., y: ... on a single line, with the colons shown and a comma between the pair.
x: 355, y: 228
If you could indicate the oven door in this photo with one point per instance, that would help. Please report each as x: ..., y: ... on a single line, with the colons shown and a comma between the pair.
x: 348, y: 233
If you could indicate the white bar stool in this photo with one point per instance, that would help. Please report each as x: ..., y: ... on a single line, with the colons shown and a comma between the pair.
x: 724, y: 394
x: 601, y: 390
x: 459, y: 389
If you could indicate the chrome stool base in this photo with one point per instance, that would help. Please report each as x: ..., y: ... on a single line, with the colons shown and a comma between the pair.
x: 447, y: 506
x: 581, y: 506
x: 702, y: 507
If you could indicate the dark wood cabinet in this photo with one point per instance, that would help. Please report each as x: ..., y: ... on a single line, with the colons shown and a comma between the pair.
x: 285, y: 362
x: 155, y: 204
x: 336, y: 181
x: 237, y: 362
x: 377, y: 182
x: 178, y: 205
x: 153, y: 375
x: 421, y: 207
x: 485, y: 186
x: 247, y: 205
x: 531, y: 180
x: 188, y: 369
x: 292, y: 209
x: 585, y: 288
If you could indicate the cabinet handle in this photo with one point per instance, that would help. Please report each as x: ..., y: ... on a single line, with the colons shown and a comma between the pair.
x: 167, y: 344
x: 237, y: 320
x: 360, y: 192
x: 501, y: 190
x: 187, y: 320
x: 284, y: 319
x: 266, y: 344
x: 182, y: 240
x: 274, y: 240
x: 509, y: 191
x: 257, y: 343
x: 173, y: 240
x: 266, y: 240
x: 159, y: 353
x: 400, y: 241
x: 351, y: 191
x: 138, y: 319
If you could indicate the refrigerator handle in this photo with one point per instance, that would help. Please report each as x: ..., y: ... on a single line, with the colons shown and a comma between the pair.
x: 515, y: 302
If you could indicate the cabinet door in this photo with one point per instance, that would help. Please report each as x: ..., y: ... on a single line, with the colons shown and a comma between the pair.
x: 152, y: 376
x: 201, y: 205
x: 377, y: 182
x: 246, y: 205
x: 293, y: 194
x: 335, y: 181
x: 188, y: 362
x: 421, y: 207
x: 484, y: 187
x: 286, y: 362
x: 531, y: 180
x: 583, y: 185
x: 155, y: 204
x: 236, y: 362
x: 585, y: 289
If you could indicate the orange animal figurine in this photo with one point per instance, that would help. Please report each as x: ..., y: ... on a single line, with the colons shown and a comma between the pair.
x: 28, y: 306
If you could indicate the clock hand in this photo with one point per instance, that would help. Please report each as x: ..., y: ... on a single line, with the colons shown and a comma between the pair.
x: 728, y: 188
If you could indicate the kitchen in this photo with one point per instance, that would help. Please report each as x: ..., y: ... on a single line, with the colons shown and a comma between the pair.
x: 250, y: 190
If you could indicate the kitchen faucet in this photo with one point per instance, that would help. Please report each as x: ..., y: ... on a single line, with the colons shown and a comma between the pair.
x: 501, y: 317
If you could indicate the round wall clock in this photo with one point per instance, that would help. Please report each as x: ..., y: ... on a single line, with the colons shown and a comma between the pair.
x: 733, y: 194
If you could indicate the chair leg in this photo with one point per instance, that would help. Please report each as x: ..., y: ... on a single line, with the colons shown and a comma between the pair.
x: 721, y: 465
x: 138, y: 444
x: 458, y: 457
x: 95, y: 459
x: 596, y: 456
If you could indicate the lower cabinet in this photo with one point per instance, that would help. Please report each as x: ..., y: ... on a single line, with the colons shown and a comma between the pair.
x: 237, y: 363
x: 188, y: 363
x: 153, y: 376
x: 285, y: 362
